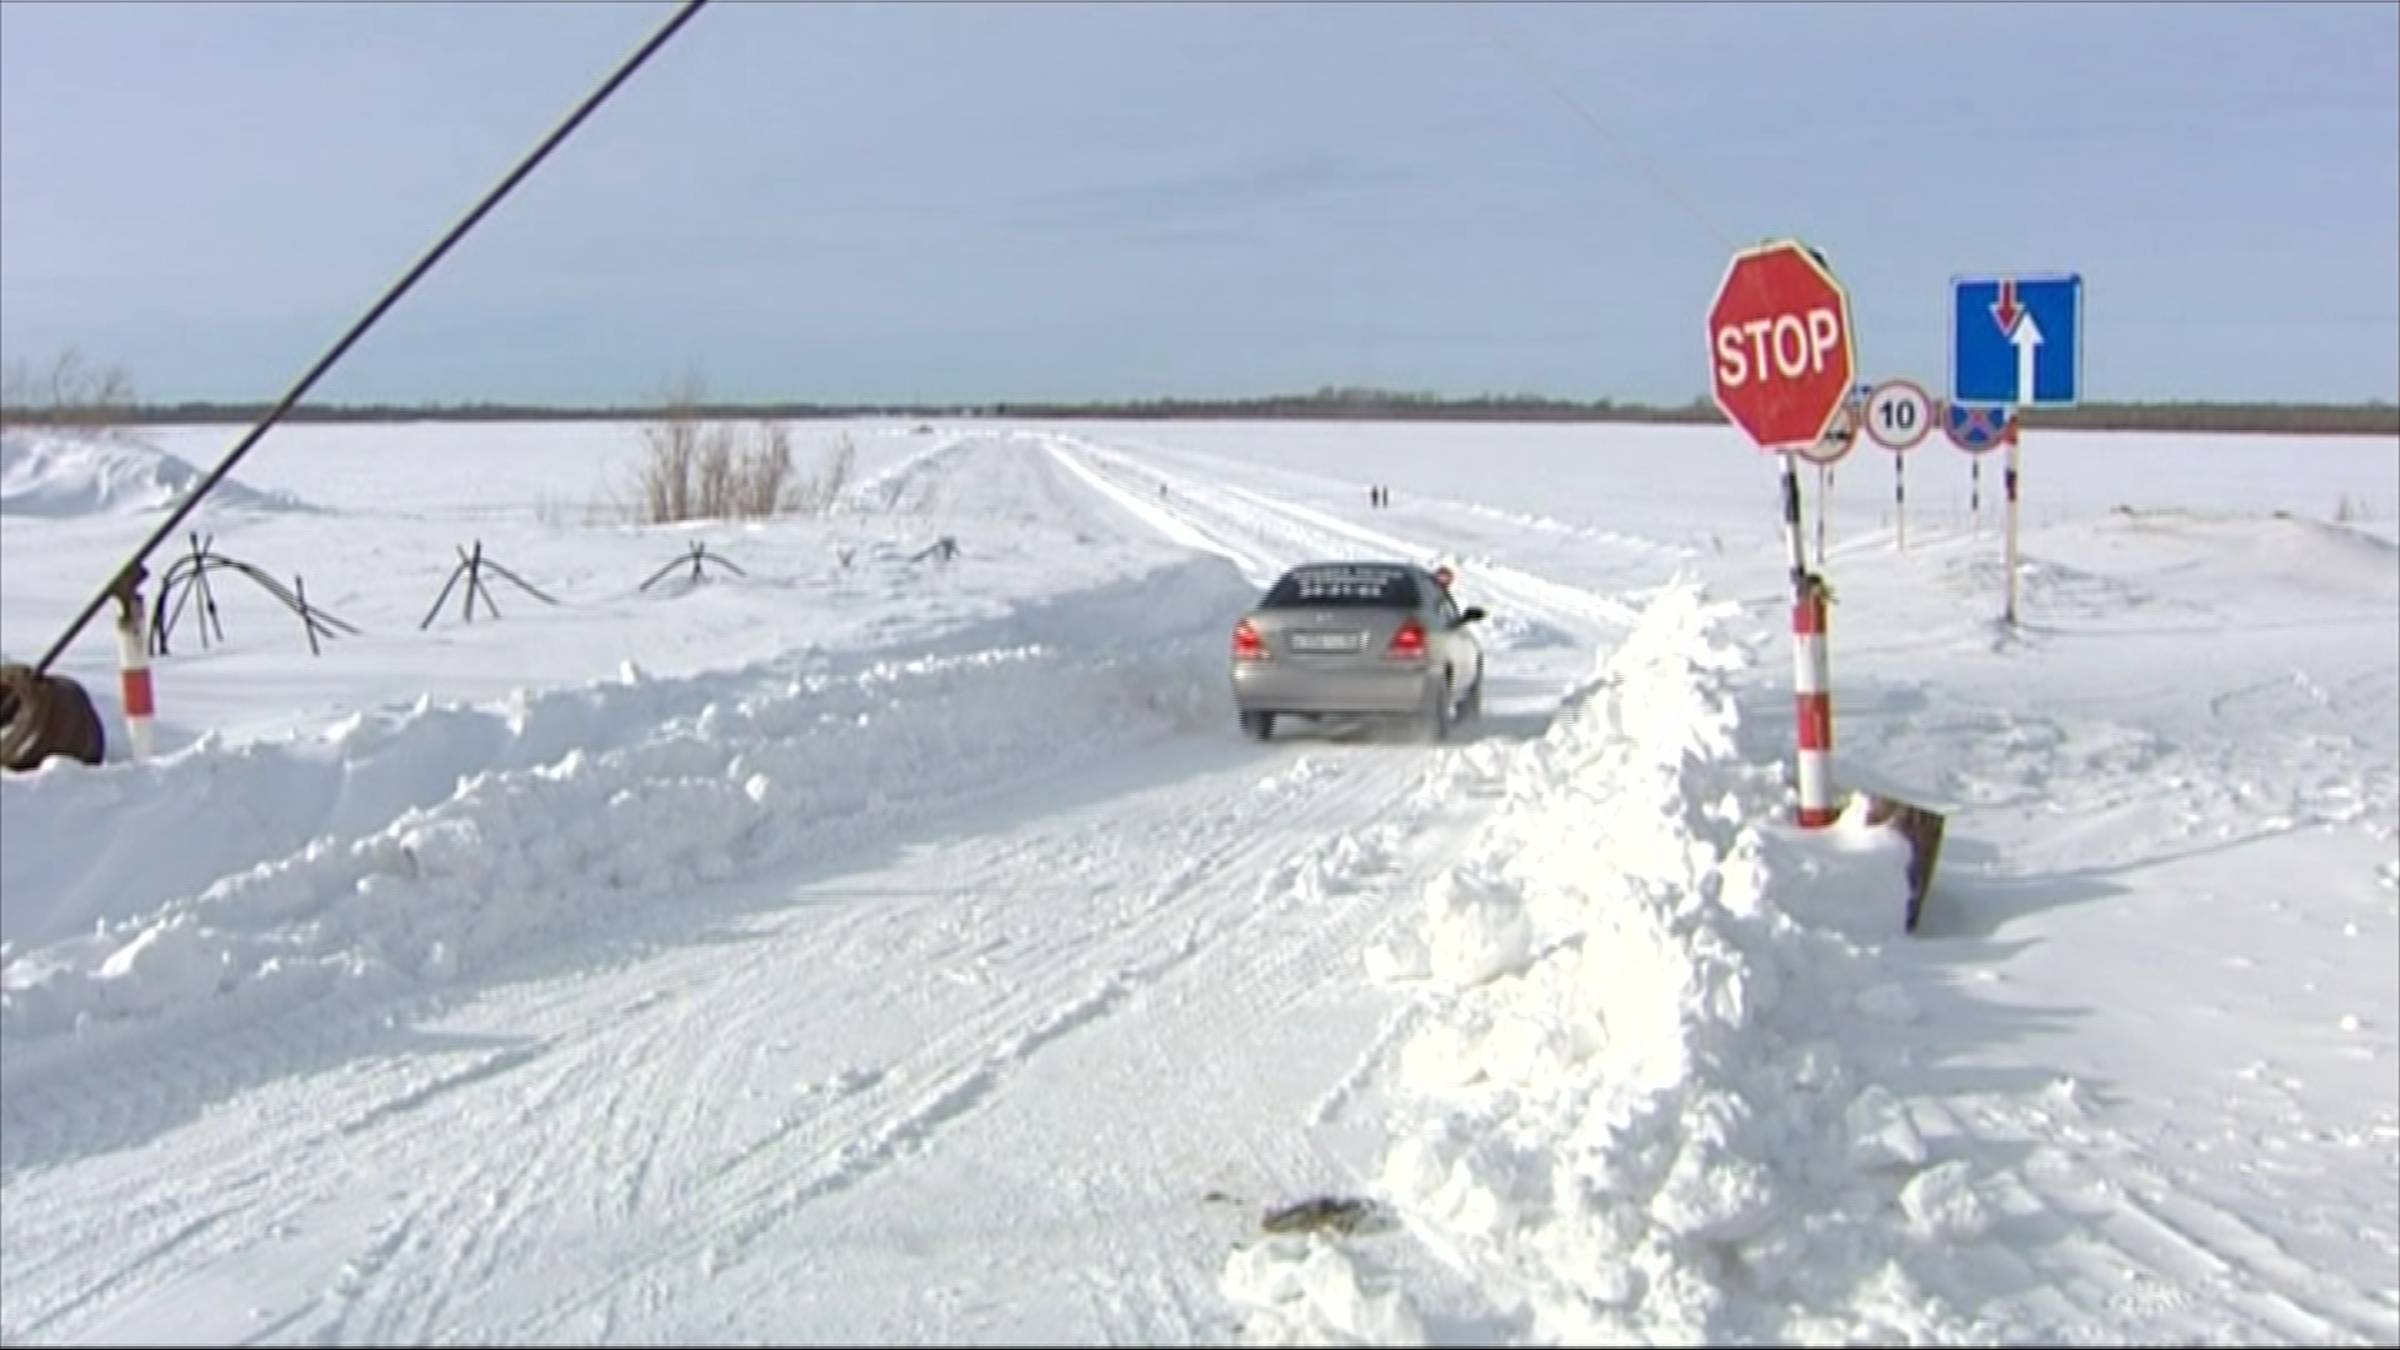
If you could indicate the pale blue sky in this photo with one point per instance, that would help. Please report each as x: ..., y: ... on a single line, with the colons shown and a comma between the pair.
x: 983, y: 202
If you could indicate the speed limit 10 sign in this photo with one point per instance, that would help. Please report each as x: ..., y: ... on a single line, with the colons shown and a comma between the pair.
x: 1899, y: 414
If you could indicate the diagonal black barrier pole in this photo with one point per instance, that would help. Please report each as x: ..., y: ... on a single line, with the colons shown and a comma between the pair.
x: 358, y: 330
x: 444, y: 597
x: 307, y: 620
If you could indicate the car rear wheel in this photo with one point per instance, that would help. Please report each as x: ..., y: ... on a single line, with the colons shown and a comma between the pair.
x: 1472, y: 706
x: 1260, y: 725
x: 1433, y: 720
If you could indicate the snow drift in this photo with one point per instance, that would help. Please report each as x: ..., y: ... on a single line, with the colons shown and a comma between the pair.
x: 1630, y: 1110
x: 416, y: 846
x: 48, y: 475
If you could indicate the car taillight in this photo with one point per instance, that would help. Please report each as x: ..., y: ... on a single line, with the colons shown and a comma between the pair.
x: 1247, y: 644
x: 1408, y: 644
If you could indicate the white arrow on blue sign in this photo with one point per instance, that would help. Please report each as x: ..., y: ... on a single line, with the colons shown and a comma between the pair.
x: 2016, y: 340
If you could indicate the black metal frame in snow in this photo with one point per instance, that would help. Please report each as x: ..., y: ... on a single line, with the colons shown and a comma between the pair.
x: 697, y: 555
x: 190, y: 574
x: 472, y: 566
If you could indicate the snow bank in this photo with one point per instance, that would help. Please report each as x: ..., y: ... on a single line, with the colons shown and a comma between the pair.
x: 419, y: 845
x: 912, y: 486
x: 1322, y: 1295
x: 42, y: 475
x: 1629, y: 1109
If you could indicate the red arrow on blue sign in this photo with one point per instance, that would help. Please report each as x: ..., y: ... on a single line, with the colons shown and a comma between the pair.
x: 2005, y: 313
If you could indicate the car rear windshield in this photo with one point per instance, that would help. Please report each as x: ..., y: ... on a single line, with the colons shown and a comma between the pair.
x: 1343, y: 587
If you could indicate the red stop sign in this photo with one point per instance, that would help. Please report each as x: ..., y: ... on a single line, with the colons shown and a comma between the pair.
x: 1779, y: 345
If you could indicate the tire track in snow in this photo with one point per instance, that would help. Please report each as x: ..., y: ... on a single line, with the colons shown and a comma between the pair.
x: 1165, y: 520
x: 135, y: 1269
x: 602, y: 1090
x: 1295, y: 532
x: 969, y: 1065
x: 1217, y: 466
x: 460, y: 1224
x: 487, y: 1067
x: 478, y: 1179
x: 1253, y: 990
x: 2179, y: 1268
x: 1239, y: 846
x: 2190, y: 1233
x: 1279, y: 932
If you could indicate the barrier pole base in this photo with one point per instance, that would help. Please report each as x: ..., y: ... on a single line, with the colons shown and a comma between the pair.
x: 1922, y: 828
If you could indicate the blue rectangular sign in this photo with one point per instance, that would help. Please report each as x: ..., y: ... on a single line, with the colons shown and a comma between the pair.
x: 2016, y: 340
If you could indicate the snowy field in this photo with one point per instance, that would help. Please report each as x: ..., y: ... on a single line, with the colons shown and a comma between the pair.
x: 873, y: 948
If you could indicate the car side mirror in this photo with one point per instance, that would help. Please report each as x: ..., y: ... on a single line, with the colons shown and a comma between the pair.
x: 1474, y: 614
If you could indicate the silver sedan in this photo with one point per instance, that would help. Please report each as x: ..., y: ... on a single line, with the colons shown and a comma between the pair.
x: 1345, y: 638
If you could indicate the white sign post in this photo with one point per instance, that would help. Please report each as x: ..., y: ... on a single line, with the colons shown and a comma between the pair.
x: 1826, y: 453
x: 2016, y: 341
x: 1824, y: 499
x: 1899, y: 415
x: 2011, y: 613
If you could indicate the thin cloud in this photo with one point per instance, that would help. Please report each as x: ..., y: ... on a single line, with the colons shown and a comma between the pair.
x: 1185, y: 205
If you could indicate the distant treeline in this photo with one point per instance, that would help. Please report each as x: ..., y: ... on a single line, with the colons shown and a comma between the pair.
x: 2303, y: 418
x: 2376, y: 418
x: 2347, y: 419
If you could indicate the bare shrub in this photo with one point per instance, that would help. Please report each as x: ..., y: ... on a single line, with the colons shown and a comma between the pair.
x: 713, y: 470
x: 670, y: 450
x: 663, y: 490
x: 764, y: 482
x: 696, y: 469
x: 69, y: 394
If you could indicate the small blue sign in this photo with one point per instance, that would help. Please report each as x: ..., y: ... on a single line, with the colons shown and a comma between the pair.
x: 1977, y: 429
x: 2016, y: 340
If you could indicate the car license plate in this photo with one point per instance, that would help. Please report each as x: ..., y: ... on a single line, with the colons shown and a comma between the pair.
x: 1328, y: 642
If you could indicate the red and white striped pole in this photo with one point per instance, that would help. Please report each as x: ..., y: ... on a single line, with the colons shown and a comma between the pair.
x: 1813, y: 704
x: 133, y: 664
x: 1811, y: 678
